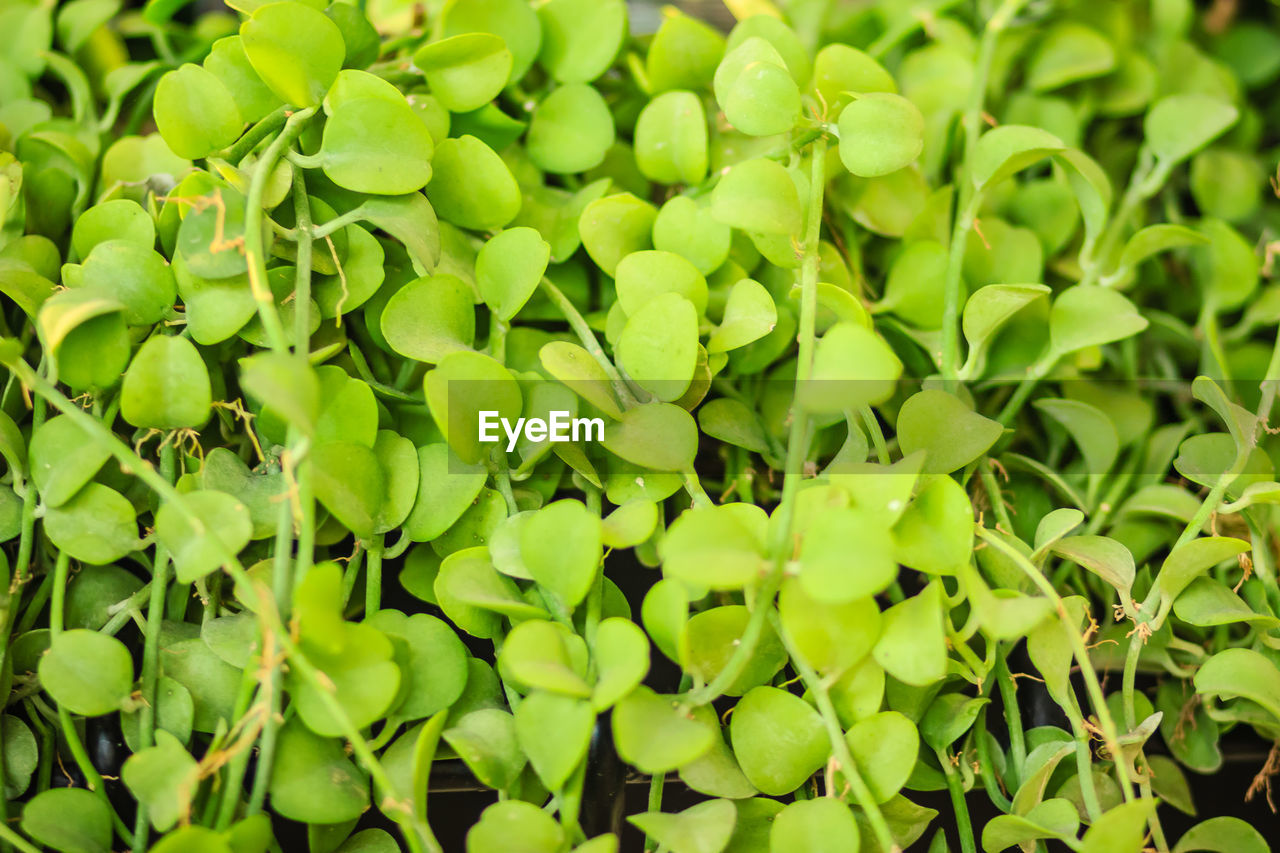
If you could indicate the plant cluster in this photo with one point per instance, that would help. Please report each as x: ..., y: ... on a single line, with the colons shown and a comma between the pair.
x: 935, y: 344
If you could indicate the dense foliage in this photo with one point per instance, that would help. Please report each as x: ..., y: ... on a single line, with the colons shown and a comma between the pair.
x: 935, y: 343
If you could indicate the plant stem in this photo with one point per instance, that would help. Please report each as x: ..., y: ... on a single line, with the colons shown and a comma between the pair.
x: 373, y: 576
x: 831, y: 720
x: 589, y: 341
x: 254, y: 252
x: 1110, y: 734
x: 1013, y: 720
x: 797, y: 446
x: 964, y: 825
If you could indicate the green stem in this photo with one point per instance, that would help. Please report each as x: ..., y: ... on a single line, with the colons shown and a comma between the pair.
x: 260, y: 131
x: 840, y: 747
x: 151, y: 650
x: 254, y: 252
x: 1110, y: 734
x: 11, y: 837
x: 964, y: 825
x: 373, y: 577
x: 1084, y: 762
x: 656, y: 783
x: 1013, y: 721
x: 589, y: 342
x: 797, y: 446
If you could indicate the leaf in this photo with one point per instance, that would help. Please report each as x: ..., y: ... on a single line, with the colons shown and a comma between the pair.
x: 884, y: 747
x: 880, y: 132
x: 778, y: 738
x: 653, y: 735
x: 313, y: 780
x: 63, y: 457
x: 826, y: 573
x: 759, y: 196
x: 571, y: 130
x: 574, y: 366
x: 503, y: 821
x: 714, y: 547
x: 97, y: 526
x: 537, y: 654
x: 717, y: 773
x: 1055, y: 525
x: 935, y: 534
x: 361, y: 675
x: 703, y: 828
x: 376, y: 145
x: 621, y: 658
x: 1087, y: 316
x: 1242, y: 673
x: 580, y: 38
x: 671, y: 139
x: 644, y: 276
x: 349, y: 482
x: 1055, y: 818
x: 1223, y: 834
x: 819, y: 825
x: 1068, y: 53
x: 832, y: 638
x: 987, y: 310
x: 658, y: 436
x: 486, y: 740
x: 86, y: 672
x: 467, y: 71
x: 912, y: 647
x: 1008, y: 149
x: 950, y: 433
x: 1120, y: 829
x: 749, y: 314
x: 1092, y: 431
x: 730, y: 421
x: 195, y: 113
x: 709, y: 638
x: 1190, y: 560
x: 167, y: 386
x: 471, y: 186
x: 1157, y: 238
x: 852, y: 367
x: 508, y: 269
x: 435, y: 668
x: 446, y: 487
x: 554, y: 732
x: 1207, y: 602
x: 296, y: 50
x: 560, y: 544
x: 164, y: 778
x: 463, y: 385
x: 658, y: 347
x: 685, y: 227
x: 72, y: 820
x: 222, y: 527
x: 1178, y: 125
x: 1106, y: 558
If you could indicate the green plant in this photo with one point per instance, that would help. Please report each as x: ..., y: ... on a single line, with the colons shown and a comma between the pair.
x: 892, y: 389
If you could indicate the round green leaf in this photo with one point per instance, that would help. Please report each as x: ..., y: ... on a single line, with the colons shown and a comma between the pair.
x: 820, y: 825
x: 467, y: 71
x: 659, y: 346
x: 580, y: 38
x: 313, y: 780
x: 671, y: 139
x: 659, y: 436
x: 376, y: 145
x: 779, y: 739
x: 508, y: 269
x: 166, y: 386
x: 758, y: 195
x: 296, y: 50
x: 1179, y: 125
x: 514, y: 826
x: 71, y: 820
x: 571, y: 130
x: 197, y: 547
x: 118, y: 219
x: 651, y: 734
x: 195, y: 113
x: 471, y: 186
x: 880, y: 133
x: 96, y: 526
x: 87, y: 672
x: 430, y: 317
x: 560, y: 545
